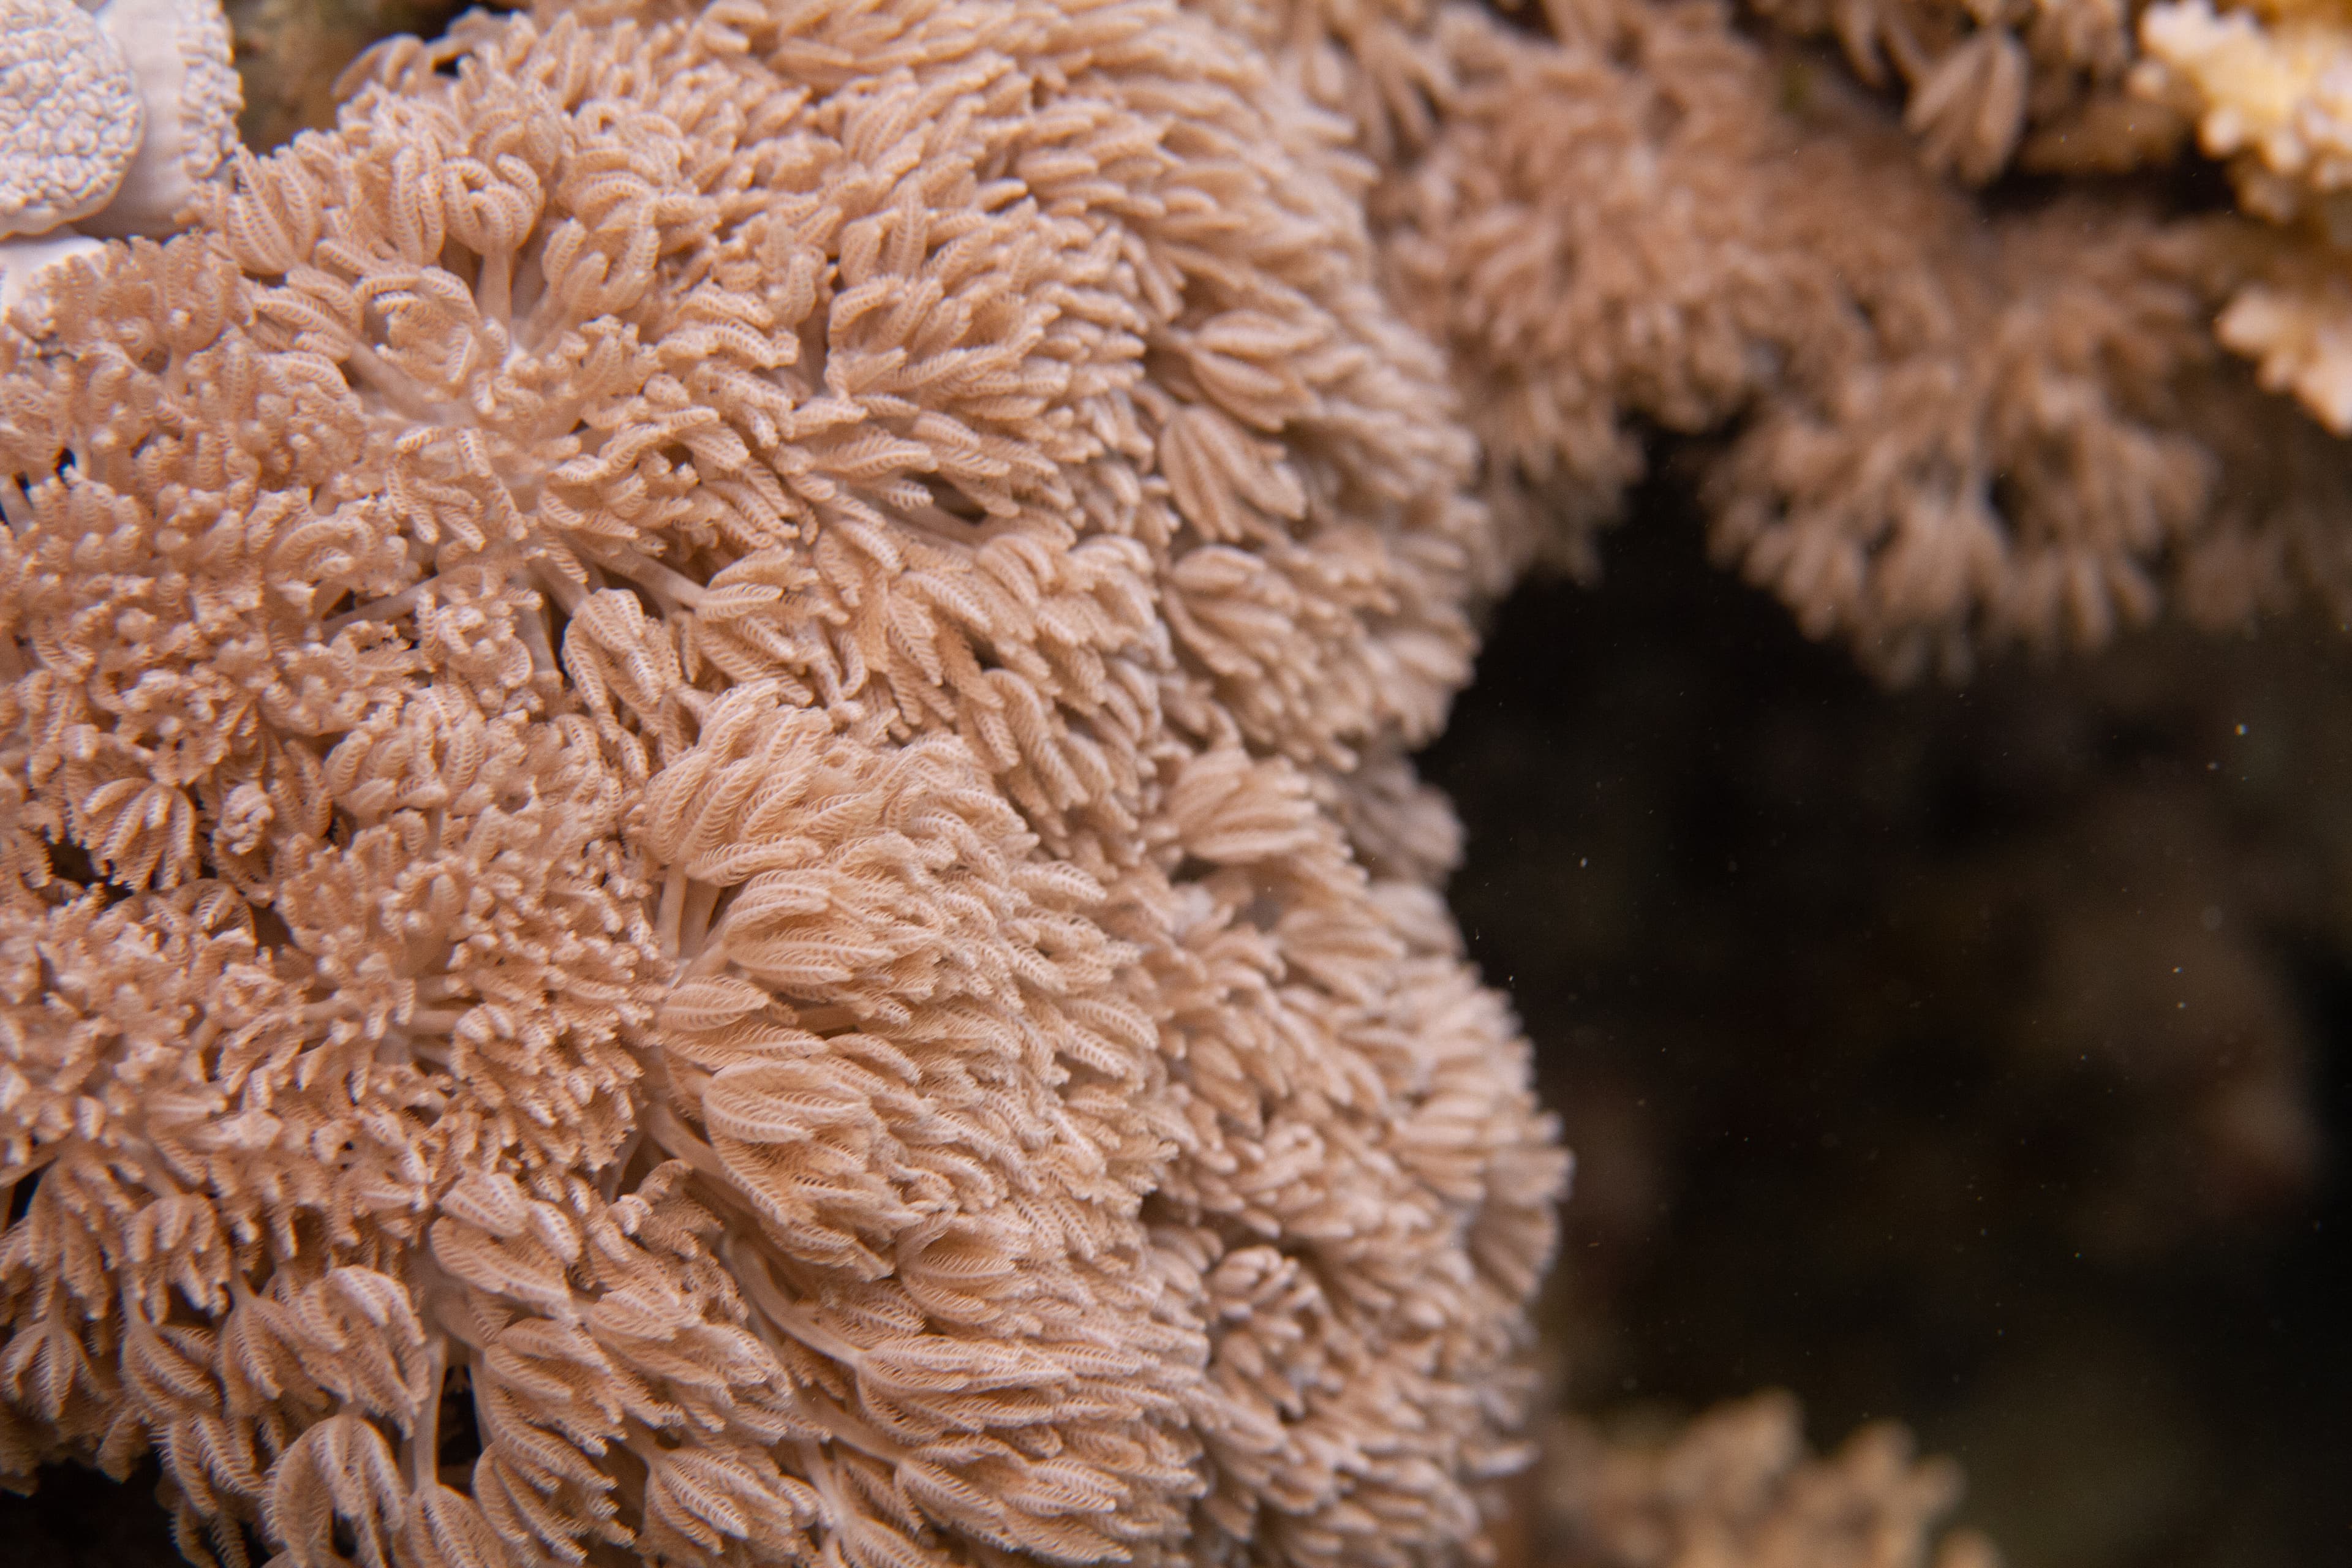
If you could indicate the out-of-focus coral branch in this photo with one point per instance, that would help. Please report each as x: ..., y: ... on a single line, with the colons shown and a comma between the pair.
x: 1738, y: 1488
x: 1938, y: 428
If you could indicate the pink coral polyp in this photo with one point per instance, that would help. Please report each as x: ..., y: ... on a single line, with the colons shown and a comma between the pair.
x: 678, y: 713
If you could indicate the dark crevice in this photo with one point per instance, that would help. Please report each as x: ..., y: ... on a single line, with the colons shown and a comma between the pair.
x: 20, y: 1196
x: 70, y: 862
x: 461, y: 1439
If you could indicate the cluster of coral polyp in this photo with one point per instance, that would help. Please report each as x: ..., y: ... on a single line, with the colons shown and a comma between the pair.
x: 706, y: 851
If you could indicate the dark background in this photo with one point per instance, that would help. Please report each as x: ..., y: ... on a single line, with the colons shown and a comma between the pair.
x: 1976, y: 1057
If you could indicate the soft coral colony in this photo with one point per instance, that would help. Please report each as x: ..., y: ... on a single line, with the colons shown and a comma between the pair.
x: 709, y: 850
x: 703, y: 768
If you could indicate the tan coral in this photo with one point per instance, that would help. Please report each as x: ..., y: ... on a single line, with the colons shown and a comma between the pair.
x: 2277, y: 99
x: 2272, y: 92
x: 2294, y: 321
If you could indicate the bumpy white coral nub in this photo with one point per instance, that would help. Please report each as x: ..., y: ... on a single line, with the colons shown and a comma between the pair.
x: 70, y: 115
x: 111, y: 120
